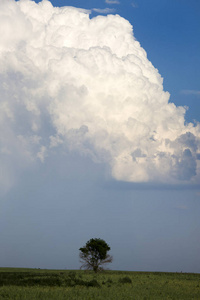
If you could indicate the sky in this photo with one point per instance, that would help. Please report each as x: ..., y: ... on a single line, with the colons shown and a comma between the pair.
x: 100, y: 132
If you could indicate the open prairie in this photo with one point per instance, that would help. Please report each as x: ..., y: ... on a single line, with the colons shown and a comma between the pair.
x: 37, y: 284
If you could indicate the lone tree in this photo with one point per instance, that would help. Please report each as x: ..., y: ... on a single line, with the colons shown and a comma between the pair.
x: 94, y: 254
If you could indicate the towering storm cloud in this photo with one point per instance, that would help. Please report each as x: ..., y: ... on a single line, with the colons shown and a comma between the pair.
x: 86, y: 85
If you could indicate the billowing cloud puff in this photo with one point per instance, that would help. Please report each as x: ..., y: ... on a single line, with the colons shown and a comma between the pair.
x: 86, y: 85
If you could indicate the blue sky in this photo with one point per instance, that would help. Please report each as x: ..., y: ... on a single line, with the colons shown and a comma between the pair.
x: 53, y: 208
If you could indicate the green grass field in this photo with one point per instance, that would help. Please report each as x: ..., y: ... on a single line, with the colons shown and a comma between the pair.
x: 34, y: 284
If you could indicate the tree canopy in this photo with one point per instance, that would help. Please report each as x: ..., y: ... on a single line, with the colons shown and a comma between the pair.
x: 95, y: 254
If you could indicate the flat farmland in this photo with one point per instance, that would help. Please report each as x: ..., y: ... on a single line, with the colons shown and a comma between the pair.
x: 34, y: 284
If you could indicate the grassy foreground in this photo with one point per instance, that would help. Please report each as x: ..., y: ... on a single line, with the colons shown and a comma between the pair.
x: 35, y: 284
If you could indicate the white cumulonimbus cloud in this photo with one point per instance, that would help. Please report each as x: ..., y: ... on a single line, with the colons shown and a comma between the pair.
x: 86, y: 85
